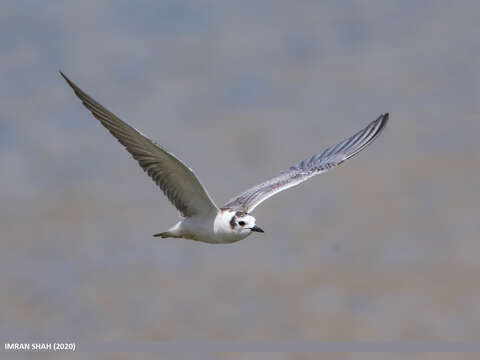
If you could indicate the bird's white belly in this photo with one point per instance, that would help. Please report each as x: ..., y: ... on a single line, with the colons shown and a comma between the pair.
x: 207, y: 230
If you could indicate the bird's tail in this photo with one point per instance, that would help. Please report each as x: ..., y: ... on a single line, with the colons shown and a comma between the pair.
x: 163, y: 235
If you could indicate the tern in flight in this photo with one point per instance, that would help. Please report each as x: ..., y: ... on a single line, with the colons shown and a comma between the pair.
x: 202, y: 220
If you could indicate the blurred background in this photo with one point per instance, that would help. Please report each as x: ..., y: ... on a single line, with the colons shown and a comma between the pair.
x: 384, y: 248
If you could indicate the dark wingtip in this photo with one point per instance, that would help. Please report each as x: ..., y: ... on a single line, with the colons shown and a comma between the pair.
x: 74, y: 86
x: 381, y: 122
x: 384, y: 120
x: 66, y: 78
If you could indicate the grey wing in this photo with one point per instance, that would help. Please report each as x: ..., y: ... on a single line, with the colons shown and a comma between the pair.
x: 177, y: 181
x: 317, y: 164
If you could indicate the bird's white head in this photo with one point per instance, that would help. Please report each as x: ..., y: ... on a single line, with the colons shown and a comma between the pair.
x: 238, y: 224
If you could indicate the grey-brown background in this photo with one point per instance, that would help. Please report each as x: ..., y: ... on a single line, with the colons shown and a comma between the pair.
x: 385, y: 248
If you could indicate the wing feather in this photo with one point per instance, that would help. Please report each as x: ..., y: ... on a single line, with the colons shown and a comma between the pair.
x: 177, y: 181
x: 317, y: 164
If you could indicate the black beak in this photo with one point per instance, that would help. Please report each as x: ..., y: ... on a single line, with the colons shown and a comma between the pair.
x: 257, y: 229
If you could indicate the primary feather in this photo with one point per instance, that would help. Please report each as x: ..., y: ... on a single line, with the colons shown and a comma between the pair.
x: 177, y: 181
x: 317, y: 164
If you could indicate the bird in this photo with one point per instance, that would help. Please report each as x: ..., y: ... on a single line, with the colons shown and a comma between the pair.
x: 201, y: 219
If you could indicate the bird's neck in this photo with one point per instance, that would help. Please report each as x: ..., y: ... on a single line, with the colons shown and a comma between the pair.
x: 222, y: 221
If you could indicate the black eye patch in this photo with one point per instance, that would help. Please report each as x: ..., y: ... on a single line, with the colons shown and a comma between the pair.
x: 241, y: 223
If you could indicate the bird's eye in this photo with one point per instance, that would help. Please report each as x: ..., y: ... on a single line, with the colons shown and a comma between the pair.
x: 241, y: 223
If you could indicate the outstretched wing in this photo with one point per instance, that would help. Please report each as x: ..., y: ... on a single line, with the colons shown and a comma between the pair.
x: 177, y: 181
x: 317, y: 164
